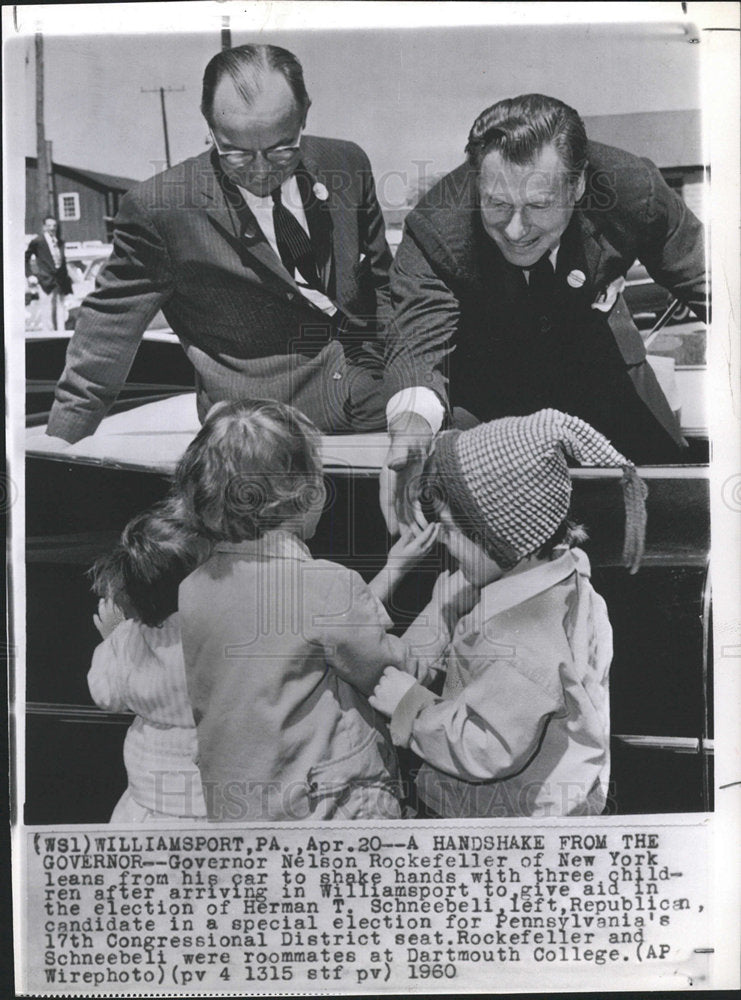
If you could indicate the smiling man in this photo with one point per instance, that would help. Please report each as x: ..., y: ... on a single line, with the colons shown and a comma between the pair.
x: 266, y: 253
x: 506, y: 285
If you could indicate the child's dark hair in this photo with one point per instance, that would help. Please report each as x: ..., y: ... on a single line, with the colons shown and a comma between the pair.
x: 254, y: 465
x: 566, y: 536
x: 142, y: 574
x: 434, y: 497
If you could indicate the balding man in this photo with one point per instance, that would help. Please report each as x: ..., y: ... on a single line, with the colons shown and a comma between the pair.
x: 266, y: 253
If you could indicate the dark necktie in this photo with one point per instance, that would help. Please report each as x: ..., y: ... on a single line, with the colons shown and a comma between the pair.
x: 541, y: 282
x: 541, y: 287
x: 294, y: 245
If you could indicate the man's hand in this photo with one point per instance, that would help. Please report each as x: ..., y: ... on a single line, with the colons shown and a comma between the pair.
x: 389, y: 691
x: 410, y: 439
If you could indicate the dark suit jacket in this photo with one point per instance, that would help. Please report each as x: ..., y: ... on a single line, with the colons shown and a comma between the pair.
x: 186, y: 243
x: 464, y: 324
x: 51, y: 278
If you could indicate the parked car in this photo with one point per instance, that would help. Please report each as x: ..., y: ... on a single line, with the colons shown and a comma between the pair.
x: 648, y: 301
x: 87, y: 263
x: 160, y: 365
x: 661, y: 680
x: 83, y: 265
x: 84, y: 262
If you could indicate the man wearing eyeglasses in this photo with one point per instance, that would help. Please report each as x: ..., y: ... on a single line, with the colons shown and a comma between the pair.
x: 507, y: 289
x: 266, y: 253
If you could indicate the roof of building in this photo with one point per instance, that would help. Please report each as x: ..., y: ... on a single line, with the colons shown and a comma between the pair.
x: 109, y: 181
x: 668, y: 138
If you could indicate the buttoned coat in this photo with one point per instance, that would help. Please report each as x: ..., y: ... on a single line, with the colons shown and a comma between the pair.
x: 523, y: 724
x: 186, y: 243
x: 464, y: 325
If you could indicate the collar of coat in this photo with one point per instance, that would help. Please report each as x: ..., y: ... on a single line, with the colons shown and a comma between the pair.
x: 277, y: 544
x: 232, y: 216
x: 516, y: 588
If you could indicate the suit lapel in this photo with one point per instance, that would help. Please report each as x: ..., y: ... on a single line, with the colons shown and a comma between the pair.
x: 589, y: 255
x: 318, y: 213
x: 232, y: 218
x: 583, y: 249
x: 256, y: 245
x: 221, y: 211
x: 46, y: 251
x: 578, y: 262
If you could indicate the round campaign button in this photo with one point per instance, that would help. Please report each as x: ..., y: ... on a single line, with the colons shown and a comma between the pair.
x: 575, y: 279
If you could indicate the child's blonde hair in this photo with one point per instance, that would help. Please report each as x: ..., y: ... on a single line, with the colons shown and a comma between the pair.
x: 254, y: 465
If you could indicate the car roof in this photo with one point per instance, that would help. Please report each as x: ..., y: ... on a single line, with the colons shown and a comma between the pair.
x: 87, y: 251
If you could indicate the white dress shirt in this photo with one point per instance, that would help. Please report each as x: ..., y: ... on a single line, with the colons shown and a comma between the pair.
x: 53, y: 244
x: 262, y: 209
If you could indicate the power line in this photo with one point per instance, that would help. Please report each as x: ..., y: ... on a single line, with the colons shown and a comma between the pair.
x: 226, y: 33
x: 162, y: 91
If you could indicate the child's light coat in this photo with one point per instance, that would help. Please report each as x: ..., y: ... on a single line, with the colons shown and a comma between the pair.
x: 278, y: 648
x: 523, y: 725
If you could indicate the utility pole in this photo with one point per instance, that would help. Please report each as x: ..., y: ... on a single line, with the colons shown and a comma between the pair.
x: 162, y: 91
x: 226, y: 33
x: 44, y: 175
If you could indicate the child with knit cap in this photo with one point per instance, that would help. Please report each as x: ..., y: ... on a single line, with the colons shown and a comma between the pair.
x: 522, y: 726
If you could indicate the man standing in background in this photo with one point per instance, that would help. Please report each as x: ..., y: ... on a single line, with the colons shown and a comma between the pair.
x: 46, y: 267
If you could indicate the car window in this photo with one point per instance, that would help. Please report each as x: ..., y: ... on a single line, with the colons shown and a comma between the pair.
x: 683, y: 337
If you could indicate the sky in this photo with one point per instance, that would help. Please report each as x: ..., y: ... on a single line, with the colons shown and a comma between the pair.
x: 408, y: 96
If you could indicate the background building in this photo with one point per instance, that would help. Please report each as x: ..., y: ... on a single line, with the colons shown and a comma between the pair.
x: 85, y: 202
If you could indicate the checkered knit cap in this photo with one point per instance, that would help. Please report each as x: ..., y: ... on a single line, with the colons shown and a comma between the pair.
x: 509, y: 479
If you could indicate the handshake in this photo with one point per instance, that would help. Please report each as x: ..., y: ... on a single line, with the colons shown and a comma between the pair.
x: 410, y: 443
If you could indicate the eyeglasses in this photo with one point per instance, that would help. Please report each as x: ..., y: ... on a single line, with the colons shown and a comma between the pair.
x: 244, y: 157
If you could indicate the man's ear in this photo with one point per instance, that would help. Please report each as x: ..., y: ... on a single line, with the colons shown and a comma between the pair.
x: 580, y: 186
x: 306, y: 112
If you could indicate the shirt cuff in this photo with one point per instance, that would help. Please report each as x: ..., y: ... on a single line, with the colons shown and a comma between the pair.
x: 417, y: 399
x: 411, y: 704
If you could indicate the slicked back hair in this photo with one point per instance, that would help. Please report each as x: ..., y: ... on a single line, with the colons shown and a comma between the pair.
x: 519, y: 127
x: 247, y: 66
